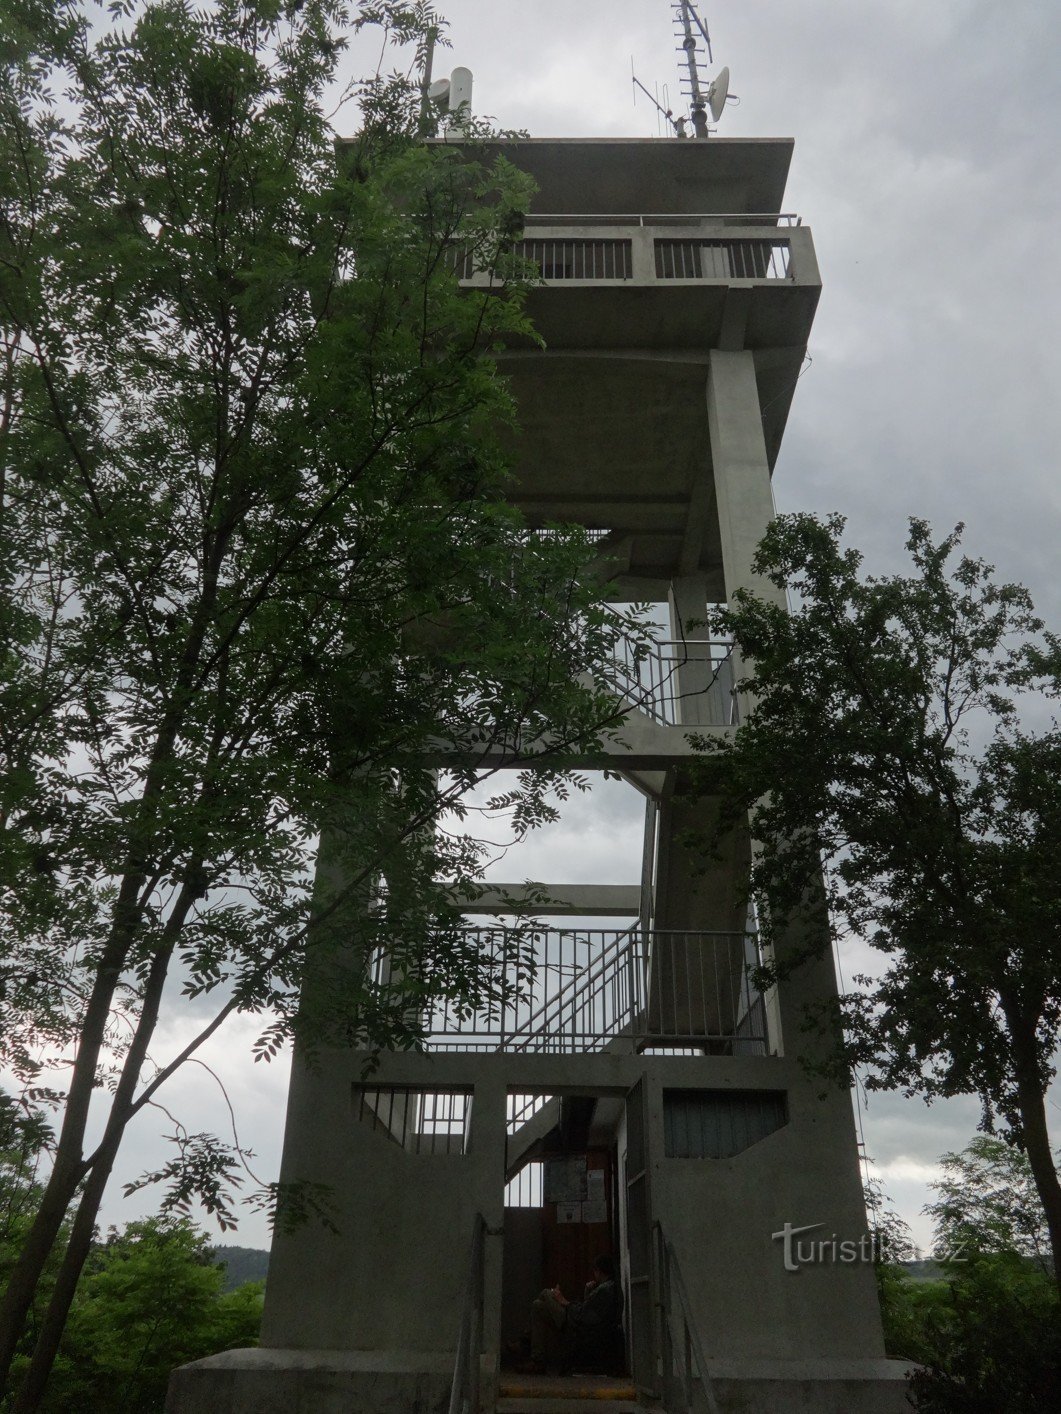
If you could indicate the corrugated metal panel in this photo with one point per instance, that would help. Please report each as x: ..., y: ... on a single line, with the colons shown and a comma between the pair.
x: 716, y: 1124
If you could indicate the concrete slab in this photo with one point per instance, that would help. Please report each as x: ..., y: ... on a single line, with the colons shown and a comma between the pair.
x: 811, y: 1386
x: 271, y: 1381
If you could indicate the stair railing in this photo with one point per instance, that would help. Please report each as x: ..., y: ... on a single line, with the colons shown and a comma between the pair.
x: 602, y: 980
x: 464, y: 1392
x: 687, y: 1387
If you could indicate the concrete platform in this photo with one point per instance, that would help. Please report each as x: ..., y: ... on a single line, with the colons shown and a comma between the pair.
x: 811, y: 1386
x: 406, y: 1382
x: 269, y: 1381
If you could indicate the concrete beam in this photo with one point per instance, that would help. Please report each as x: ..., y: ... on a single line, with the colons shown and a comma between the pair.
x: 578, y: 900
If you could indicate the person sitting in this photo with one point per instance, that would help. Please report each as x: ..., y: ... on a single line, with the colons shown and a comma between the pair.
x: 565, y: 1333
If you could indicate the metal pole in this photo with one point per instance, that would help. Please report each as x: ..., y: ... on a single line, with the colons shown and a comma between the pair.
x: 699, y: 110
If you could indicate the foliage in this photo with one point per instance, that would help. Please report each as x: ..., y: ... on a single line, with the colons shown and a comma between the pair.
x: 150, y: 1298
x: 988, y: 1339
x: 23, y: 1135
x: 886, y: 743
x: 987, y: 1202
x: 987, y: 1336
x: 256, y: 565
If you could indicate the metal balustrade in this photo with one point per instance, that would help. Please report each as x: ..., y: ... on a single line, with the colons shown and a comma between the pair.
x: 701, y: 258
x: 578, y: 259
x: 464, y: 1390
x: 676, y: 681
x: 566, y: 247
x: 665, y: 218
x: 579, y: 990
x: 419, y: 1121
x: 522, y: 1108
x: 686, y: 1385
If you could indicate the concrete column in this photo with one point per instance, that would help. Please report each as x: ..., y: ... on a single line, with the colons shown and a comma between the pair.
x: 741, y: 470
x: 489, y: 1141
x: 745, y: 508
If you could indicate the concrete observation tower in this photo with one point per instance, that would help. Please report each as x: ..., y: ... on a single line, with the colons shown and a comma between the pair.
x: 646, y: 1100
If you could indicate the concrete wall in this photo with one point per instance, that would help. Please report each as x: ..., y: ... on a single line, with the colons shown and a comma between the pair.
x: 393, y: 1277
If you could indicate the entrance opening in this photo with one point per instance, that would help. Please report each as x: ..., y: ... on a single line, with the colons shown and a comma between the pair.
x: 561, y: 1215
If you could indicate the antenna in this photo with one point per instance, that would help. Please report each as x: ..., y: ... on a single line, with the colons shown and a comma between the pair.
x: 705, y: 96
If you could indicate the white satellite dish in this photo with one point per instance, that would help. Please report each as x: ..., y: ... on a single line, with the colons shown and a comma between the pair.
x: 718, y: 93
x: 438, y: 90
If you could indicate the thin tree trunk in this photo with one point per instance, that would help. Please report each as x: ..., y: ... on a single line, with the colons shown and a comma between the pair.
x: 69, y: 1167
x: 32, y: 1259
x: 102, y: 1161
x: 1031, y: 1104
x: 31, y: 1390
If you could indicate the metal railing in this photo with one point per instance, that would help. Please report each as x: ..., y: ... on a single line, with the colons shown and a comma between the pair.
x: 687, y: 1387
x: 701, y: 258
x: 419, y: 1121
x: 664, y: 218
x: 582, y: 255
x: 578, y: 259
x: 522, y: 1108
x: 464, y: 1392
x: 676, y: 681
x: 578, y: 990
x: 594, y: 1006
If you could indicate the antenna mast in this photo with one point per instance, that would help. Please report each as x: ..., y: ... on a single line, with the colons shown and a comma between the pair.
x: 686, y: 19
x: 705, y: 96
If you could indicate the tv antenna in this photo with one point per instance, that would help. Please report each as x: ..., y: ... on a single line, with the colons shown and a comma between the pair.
x: 704, y: 95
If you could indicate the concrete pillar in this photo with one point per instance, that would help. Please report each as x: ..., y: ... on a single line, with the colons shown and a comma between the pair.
x: 743, y: 493
x: 823, y: 1122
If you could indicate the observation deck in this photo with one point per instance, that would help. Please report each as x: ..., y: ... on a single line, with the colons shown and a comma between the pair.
x: 655, y: 256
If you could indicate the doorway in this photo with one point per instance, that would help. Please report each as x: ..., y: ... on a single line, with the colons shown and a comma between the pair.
x: 561, y: 1205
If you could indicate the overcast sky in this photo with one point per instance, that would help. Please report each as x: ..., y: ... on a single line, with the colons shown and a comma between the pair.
x: 926, y: 164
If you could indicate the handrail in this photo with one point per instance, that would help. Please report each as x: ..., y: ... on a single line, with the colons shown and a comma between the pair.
x: 578, y: 984
x: 464, y: 1392
x: 674, y: 218
x: 679, y: 1385
x: 659, y: 696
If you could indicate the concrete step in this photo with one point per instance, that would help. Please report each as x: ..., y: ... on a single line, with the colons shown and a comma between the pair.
x: 605, y: 1404
x: 565, y: 1394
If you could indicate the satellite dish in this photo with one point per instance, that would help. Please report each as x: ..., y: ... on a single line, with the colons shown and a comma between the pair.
x: 438, y: 90
x: 717, y: 94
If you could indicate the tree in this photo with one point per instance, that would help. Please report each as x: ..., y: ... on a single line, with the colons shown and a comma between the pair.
x: 987, y: 1202
x: 256, y: 565
x: 989, y: 1338
x: 886, y: 744
x: 150, y: 1299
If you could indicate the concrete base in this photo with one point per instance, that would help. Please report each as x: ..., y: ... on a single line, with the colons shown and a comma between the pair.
x: 811, y: 1386
x: 410, y: 1382
x: 313, y: 1382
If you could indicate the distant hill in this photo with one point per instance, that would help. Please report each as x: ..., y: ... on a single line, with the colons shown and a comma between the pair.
x: 924, y: 1270
x: 242, y: 1264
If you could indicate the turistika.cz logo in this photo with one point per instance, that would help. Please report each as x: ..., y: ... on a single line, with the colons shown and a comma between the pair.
x: 799, y: 1250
